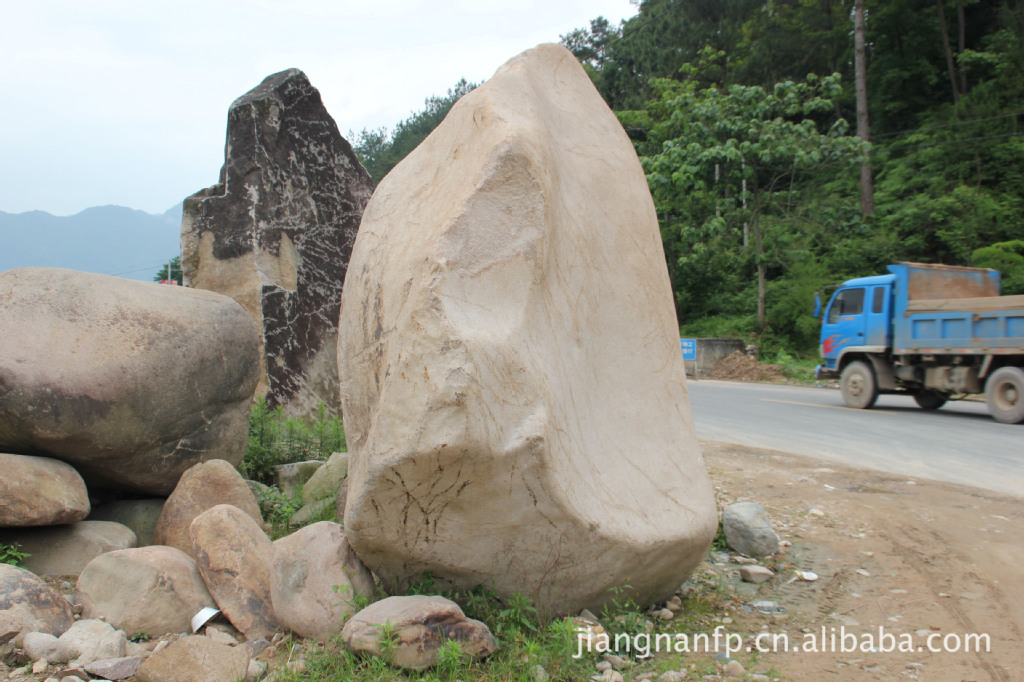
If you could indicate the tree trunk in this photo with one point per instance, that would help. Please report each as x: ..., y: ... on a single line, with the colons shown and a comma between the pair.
x: 950, y: 62
x: 961, y: 43
x: 867, y: 192
x: 755, y: 224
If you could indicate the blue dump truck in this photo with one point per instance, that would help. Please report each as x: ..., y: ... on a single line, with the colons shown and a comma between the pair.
x: 934, y: 332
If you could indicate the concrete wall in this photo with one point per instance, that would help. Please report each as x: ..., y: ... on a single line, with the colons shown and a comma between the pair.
x: 709, y: 352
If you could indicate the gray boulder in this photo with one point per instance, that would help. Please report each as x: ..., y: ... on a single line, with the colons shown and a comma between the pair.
x: 139, y: 515
x: 82, y: 357
x: 277, y: 231
x: 39, y: 491
x: 325, y: 482
x: 421, y: 625
x: 67, y: 550
x: 29, y: 604
x: 288, y: 477
x: 748, y: 530
x: 90, y: 640
x: 155, y: 590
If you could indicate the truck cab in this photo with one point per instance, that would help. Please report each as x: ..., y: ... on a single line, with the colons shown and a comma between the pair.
x: 857, y: 320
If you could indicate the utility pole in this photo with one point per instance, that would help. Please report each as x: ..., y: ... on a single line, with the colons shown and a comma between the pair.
x: 867, y: 192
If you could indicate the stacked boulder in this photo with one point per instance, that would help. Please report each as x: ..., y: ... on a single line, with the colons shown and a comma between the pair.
x: 82, y: 357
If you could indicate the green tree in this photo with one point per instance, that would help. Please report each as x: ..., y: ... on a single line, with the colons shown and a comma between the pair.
x: 730, y: 167
x: 1008, y: 259
x: 379, y: 150
x: 175, y: 265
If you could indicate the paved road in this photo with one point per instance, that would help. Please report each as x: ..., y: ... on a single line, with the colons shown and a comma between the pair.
x: 959, y: 443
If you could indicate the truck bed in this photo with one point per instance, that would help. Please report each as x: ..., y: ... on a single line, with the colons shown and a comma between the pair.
x: 986, y: 325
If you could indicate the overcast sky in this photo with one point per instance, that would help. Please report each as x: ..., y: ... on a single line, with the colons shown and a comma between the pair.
x: 125, y: 101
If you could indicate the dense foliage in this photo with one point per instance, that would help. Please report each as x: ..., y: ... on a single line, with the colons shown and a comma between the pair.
x: 739, y: 111
x: 742, y: 113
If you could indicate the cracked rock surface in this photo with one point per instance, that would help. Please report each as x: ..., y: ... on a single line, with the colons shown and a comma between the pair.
x: 513, y: 392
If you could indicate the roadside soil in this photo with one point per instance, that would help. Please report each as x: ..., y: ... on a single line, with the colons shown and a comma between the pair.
x: 914, y: 557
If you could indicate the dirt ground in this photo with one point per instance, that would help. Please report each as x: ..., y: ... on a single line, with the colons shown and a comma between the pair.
x: 927, y: 562
x: 739, y: 366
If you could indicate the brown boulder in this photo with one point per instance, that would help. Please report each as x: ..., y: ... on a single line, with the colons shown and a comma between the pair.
x: 39, y: 491
x: 234, y: 557
x: 316, y: 580
x: 28, y: 604
x: 421, y: 625
x: 202, y: 487
x: 195, y: 659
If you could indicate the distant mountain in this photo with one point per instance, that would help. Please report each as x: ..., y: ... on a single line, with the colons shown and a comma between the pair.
x: 111, y: 240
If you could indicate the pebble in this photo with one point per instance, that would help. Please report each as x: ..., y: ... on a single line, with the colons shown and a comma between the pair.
x: 603, y: 665
x: 814, y: 511
x: 863, y: 572
x: 674, y: 604
x: 734, y: 669
x: 760, y: 678
x: 756, y: 574
x: 672, y: 676
x: 666, y: 614
x: 617, y: 662
x: 298, y: 666
x: 40, y: 666
x: 540, y: 674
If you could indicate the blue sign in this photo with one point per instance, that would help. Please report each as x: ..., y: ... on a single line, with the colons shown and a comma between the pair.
x: 689, y: 348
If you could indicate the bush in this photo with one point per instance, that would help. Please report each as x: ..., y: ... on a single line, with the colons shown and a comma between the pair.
x: 276, y: 439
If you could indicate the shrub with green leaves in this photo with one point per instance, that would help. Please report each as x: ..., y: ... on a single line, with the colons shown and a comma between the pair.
x: 275, y: 438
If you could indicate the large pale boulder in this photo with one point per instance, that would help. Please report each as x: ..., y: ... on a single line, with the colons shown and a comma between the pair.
x: 66, y: 550
x: 420, y: 626
x: 39, y: 491
x: 276, y: 233
x: 513, y: 393
x: 234, y: 557
x: 155, y: 590
x: 316, y: 580
x: 202, y: 487
x: 29, y: 604
x: 129, y: 382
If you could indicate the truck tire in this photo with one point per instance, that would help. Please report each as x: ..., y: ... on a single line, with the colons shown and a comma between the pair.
x: 858, y: 385
x: 930, y: 399
x: 1004, y: 394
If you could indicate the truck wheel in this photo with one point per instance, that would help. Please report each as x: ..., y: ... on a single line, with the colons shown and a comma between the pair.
x: 930, y: 399
x: 858, y: 386
x: 1004, y: 394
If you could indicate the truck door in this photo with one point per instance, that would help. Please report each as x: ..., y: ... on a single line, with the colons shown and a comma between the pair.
x: 876, y: 332
x: 845, y: 324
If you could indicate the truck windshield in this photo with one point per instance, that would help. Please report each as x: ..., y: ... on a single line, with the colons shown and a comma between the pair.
x: 848, y: 302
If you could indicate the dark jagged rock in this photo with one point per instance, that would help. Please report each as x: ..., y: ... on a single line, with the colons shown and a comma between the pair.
x: 277, y: 231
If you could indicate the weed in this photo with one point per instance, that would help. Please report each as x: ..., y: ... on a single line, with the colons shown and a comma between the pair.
x: 11, y: 554
x: 519, y: 616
